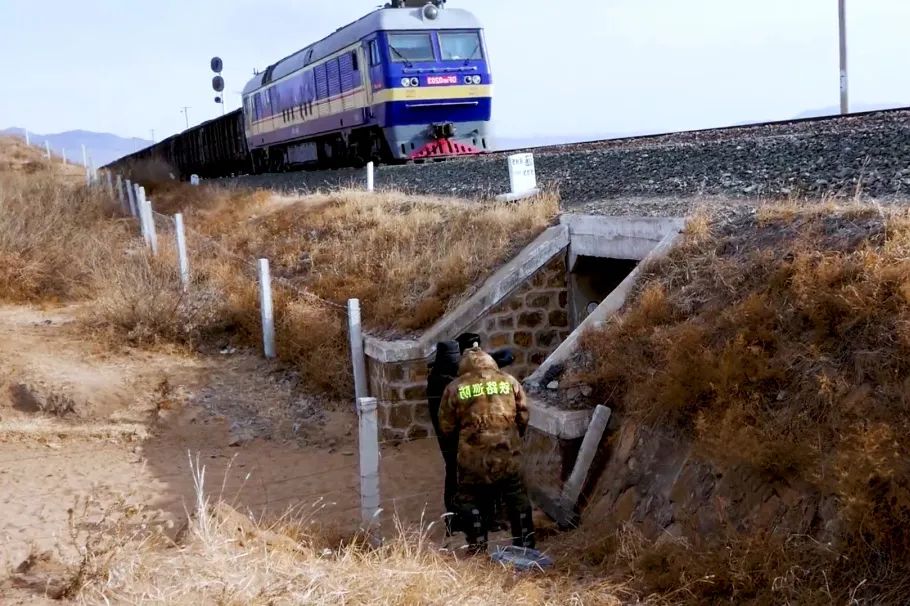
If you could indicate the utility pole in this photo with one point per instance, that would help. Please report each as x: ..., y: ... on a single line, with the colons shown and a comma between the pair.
x: 186, y: 115
x: 844, y: 98
x: 152, y: 130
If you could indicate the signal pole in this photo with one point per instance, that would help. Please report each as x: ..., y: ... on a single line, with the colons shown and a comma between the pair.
x: 844, y: 98
x: 186, y: 115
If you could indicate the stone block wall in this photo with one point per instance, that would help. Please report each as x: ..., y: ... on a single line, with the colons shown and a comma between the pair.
x: 532, y: 321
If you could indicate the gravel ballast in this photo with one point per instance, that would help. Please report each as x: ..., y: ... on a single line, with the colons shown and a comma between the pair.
x: 865, y: 156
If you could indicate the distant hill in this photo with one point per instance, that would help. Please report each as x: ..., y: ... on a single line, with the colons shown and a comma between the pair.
x: 102, y: 148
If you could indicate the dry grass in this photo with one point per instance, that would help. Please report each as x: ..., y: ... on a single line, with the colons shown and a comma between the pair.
x: 782, y: 343
x: 17, y: 157
x: 407, y: 259
x: 125, y: 554
x: 49, y: 430
x: 51, y: 236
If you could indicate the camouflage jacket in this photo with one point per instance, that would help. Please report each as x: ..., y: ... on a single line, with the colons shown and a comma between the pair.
x: 486, y: 410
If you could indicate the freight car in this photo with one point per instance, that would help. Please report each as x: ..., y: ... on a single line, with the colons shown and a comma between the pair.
x: 403, y: 83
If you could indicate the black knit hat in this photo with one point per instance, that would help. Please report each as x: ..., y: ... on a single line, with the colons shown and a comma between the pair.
x: 447, y: 353
x: 467, y: 340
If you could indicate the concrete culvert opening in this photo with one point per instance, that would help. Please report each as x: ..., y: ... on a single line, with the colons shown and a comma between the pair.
x: 591, y: 280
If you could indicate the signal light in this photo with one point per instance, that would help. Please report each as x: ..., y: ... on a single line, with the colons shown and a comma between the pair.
x: 415, y: 82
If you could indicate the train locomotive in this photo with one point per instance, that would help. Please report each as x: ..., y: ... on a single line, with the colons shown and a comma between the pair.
x: 401, y: 84
x: 407, y: 82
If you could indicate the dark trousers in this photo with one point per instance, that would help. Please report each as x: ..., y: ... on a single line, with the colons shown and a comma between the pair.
x: 450, y: 459
x: 476, y: 505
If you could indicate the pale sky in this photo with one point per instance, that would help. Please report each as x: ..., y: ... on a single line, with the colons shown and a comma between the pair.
x: 566, y: 67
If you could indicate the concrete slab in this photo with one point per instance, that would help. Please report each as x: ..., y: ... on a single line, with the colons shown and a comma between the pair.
x: 562, y: 424
x: 510, y: 197
x: 616, y: 237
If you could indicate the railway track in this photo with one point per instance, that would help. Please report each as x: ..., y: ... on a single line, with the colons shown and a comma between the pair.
x: 864, y: 154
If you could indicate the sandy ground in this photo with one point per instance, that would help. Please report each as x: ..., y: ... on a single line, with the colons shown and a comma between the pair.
x: 79, y: 420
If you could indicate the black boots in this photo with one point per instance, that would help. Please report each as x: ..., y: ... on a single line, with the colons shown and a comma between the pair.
x: 522, y: 529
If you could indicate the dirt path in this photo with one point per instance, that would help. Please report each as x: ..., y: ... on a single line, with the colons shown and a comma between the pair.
x: 78, y: 419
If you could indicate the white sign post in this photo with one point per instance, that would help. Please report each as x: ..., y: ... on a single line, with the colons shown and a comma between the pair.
x: 265, y: 304
x: 182, y: 258
x: 522, y: 178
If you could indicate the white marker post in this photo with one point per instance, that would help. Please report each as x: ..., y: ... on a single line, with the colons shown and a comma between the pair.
x: 369, y: 467
x: 47, y: 146
x: 131, y: 196
x: 88, y: 173
x: 370, y: 177
x: 183, y: 261
x: 140, y: 208
x: 522, y: 178
x: 110, y: 181
x: 355, y: 334
x: 152, y: 234
x: 63, y: 152
x: 265, y: 304
x: 28, y: 139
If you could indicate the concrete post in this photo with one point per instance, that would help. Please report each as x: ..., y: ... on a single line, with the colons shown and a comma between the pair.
x: 63, y: 152
x: 28, y: 139
x: 47, y: 147
x: 182, y: 258
x: 358, y: 361
x: 571, y: 491
x: 131, y: 196
x: 150, y: 221
x: 265, y: 304
x: 369, y: 466
x: 88, y: 172
x: 121, y: 197
x: 140, y: 209
x: 370, y: 177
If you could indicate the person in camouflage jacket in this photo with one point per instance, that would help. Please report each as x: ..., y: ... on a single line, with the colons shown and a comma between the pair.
x: 485, y: 412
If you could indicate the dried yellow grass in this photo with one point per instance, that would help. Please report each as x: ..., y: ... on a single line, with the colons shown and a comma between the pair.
x: 407, y: 258
x: 226, y: 557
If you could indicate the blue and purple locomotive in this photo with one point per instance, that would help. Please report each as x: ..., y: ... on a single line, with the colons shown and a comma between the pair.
x: 401, y: 83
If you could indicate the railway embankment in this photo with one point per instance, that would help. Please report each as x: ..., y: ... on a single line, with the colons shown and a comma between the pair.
x: 757, y: 376
x: 863, y: 156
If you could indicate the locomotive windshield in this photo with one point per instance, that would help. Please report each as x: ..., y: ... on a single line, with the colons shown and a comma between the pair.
x: 411, y: 47
x: 460, y: 46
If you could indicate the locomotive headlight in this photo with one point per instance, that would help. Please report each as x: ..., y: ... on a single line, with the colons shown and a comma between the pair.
x: 406, y: 82
x: 468, y: 79
x: 430, y: 12
x: 476, y: 79
x: 415, y: 82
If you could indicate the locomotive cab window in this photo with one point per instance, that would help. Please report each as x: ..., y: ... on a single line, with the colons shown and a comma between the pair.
x: 375, y: 59
x: 460, y: 46
x: 406, y: 48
